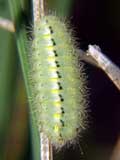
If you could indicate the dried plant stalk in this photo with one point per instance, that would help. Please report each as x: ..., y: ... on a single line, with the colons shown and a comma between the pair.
x: 105, y: 64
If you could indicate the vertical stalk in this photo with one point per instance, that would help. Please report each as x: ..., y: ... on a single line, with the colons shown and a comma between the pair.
x: 38, y: 10
x: 45, y: 145
x: 8, y: 70
x: 21, y: 40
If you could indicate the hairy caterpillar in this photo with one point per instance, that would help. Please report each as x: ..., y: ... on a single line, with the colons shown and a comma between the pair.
x: 57, y: 82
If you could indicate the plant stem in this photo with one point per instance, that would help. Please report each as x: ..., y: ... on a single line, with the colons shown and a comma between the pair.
x: 8, y: 70
x: 21, y: 40
x: 38, y: 10
x: 112, y: 71
x: 46, y: 152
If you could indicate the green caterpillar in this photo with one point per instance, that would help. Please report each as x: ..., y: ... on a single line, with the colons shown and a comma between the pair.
x: 58, y: 82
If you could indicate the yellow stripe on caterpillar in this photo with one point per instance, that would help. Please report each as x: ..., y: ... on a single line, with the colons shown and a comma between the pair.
x: 55, y: 91
x: 57, y: 103
x: 57, y: 115
x: 56, y: 128
x: 50, y: 48
x: 47, y: 36
x: 53, y: 69
x: 54, y: 80
x: 51, y: 59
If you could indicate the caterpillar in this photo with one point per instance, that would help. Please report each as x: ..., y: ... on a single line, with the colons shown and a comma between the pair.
x: 58, y: 82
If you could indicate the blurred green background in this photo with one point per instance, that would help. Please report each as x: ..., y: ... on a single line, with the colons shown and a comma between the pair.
x: 96, y: 22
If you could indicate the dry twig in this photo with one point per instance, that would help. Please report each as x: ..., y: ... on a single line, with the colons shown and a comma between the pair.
x: 112, y: 71
x: 38, y: 10
x: 46, y: 147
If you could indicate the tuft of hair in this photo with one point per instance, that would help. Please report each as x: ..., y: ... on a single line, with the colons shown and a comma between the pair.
x: 58, y: 82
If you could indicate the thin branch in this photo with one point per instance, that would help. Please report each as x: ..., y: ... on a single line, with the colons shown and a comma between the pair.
x: 7, y: 25
x: 87, y: 58
x: 38, y: 10
x: 46, y: 147
x: 105, y: 64
x: 21, y: 39
x: 42, y: 9
x: 46, y: 152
